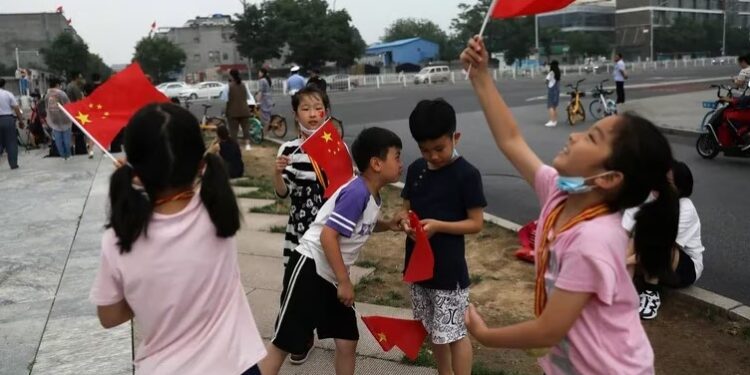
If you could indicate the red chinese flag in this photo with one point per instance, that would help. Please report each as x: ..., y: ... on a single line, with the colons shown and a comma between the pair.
x: 517, y: 8
x: 422, y: 261
x: 406, y: 334
x: 109, y: 108
x: 153, y: 25
x: 329, y: 152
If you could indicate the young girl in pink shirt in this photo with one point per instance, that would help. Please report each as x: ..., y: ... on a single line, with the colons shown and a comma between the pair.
x: 585, y: 301
x: 169, y: 256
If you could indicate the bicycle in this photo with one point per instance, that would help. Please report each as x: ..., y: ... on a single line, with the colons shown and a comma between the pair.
x: 575, y: 107
x: 603, y: 106
x: 210, y: 123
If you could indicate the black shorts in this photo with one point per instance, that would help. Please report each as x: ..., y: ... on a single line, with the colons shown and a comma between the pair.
x: 684, y: 275
x: 308, y: 303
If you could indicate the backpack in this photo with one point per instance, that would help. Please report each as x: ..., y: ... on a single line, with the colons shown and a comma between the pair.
x: 53, y: 111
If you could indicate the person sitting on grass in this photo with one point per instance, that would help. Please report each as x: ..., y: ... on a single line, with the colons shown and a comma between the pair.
x: 230, y: 152
x: 686, y: 258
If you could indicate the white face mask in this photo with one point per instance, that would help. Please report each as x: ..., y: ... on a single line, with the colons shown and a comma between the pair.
x: 307, y: 132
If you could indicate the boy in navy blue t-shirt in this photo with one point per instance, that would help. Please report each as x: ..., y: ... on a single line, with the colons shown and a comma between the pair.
x: 445, y: 191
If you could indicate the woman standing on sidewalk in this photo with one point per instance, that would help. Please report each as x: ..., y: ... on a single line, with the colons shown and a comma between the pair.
x: 169, y: 255
x: 553, y: 92
x: 264, y: 97
x: 237, y: 111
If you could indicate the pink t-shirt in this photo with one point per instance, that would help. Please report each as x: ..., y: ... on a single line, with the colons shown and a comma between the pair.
x: 183, y: 284
x: 608, y: 337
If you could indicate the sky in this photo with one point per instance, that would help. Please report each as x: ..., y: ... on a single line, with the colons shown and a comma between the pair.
x: 112, y: 28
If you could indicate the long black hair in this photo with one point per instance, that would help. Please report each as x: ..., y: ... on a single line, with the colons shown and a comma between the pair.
x: 165, y: 150
x: 554, y: 66
x: 643, y: 155
x: 265, y: 75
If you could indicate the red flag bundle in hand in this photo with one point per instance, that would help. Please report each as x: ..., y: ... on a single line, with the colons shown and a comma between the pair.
x: 109, y: 108
x: 517, y: 8
x: 406, y: 334
x: 422, y: 261
x: 329, y: 153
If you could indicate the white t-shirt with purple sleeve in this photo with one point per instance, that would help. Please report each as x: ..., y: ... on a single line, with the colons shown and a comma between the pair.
x: 607, y: 338
x: 353, y: 212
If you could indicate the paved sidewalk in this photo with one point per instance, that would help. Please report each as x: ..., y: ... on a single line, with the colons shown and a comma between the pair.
x: 680, y: 113
x: 53, y: 214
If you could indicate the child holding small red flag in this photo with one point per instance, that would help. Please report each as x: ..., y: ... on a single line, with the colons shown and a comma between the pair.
x: 318, y: 294
x: 295, y: 177
x: 445, y: 191
x: 585, y: 302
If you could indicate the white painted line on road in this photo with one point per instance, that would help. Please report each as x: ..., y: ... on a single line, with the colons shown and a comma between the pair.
x: 646, y: 85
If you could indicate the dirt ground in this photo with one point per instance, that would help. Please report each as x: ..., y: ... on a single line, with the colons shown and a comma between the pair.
x: 688, y: 336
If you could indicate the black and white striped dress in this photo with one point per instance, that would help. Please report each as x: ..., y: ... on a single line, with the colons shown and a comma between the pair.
x: 305, y: 191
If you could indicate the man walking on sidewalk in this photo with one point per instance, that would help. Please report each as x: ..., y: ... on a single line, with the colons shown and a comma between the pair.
x: 8, y: 142
x: 620, y: 76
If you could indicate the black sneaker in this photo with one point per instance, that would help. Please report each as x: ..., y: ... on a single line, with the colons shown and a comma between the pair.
x: 298, y: 359
x: 649, y: 306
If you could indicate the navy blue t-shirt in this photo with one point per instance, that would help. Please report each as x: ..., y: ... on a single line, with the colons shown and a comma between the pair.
x: 444, y: 194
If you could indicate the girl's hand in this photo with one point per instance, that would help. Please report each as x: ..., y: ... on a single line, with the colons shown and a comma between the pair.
x: 281, y: 163
x: 214, y: 148
x: 475, y: 57
x: 474, y: 322
x: 120, y: 162
x: 631, y: 260
x: 430, y: 226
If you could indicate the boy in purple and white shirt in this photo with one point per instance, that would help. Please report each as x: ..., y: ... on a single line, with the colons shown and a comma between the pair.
x: 318, y: 294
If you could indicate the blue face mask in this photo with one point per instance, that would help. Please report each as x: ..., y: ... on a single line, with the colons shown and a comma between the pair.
x: 576, y: 185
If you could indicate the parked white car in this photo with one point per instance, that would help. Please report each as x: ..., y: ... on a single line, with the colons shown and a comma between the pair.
x: 433, y: 74
x: 172, y: 89
x: 207, y: 90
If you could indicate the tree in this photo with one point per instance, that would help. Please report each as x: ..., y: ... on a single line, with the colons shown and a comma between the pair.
x: 582, y: 44
x: 514, y: 37
x: 67, y: 53
x: 159, y: 57
x: 97, y: 65
x: 314, y: 34
x: 256, y: 40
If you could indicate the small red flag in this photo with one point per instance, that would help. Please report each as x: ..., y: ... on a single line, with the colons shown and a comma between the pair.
x: 422, y: 261
x: 328, y: 151
x: 109, y: 108
x: 407, y: 334
x: 59, y: 9
x: 153, y: 25
x: 517, y: 8
x: 69, y: 20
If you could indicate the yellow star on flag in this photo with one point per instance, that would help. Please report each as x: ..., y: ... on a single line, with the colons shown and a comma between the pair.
x: 382, y: 337
x: 83, y: 118
x: 99, y: 106
x: 91, y: 105
x: 327, y: 137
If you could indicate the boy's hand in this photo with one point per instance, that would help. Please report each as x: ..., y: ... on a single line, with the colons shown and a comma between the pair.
x: 430, y: 226
x: 214, y: 148
x: 474, y: 322
x: 345, y: 292
x: 281, y: 163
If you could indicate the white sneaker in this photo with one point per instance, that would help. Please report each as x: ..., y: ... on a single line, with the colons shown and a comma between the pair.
x: 650, y: 302
x: 551, y: 124
x: 91, y: 154
x: 247, y: 147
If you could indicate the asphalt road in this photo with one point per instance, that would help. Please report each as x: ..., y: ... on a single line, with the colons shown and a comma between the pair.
x: 721, y: 185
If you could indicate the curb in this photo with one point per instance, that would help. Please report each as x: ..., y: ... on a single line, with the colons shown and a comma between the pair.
x: 734, y: 308
x: 666, y: 129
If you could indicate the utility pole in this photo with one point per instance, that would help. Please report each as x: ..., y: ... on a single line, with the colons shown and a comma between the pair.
x: 724, y: 33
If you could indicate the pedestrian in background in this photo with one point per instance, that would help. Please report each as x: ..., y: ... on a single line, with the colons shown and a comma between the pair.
x: 238, y: 113
x: 264, y: 96
x: 9, y: 107
x: 57, y: 120
x: 553, y: 92
x: 620, y: 76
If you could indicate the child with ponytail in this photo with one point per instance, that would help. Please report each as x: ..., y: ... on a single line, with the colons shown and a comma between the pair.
x: 585, y: 302
x: 169, y: 256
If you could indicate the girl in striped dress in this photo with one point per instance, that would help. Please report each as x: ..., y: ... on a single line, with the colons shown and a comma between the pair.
x: 295, y: 177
